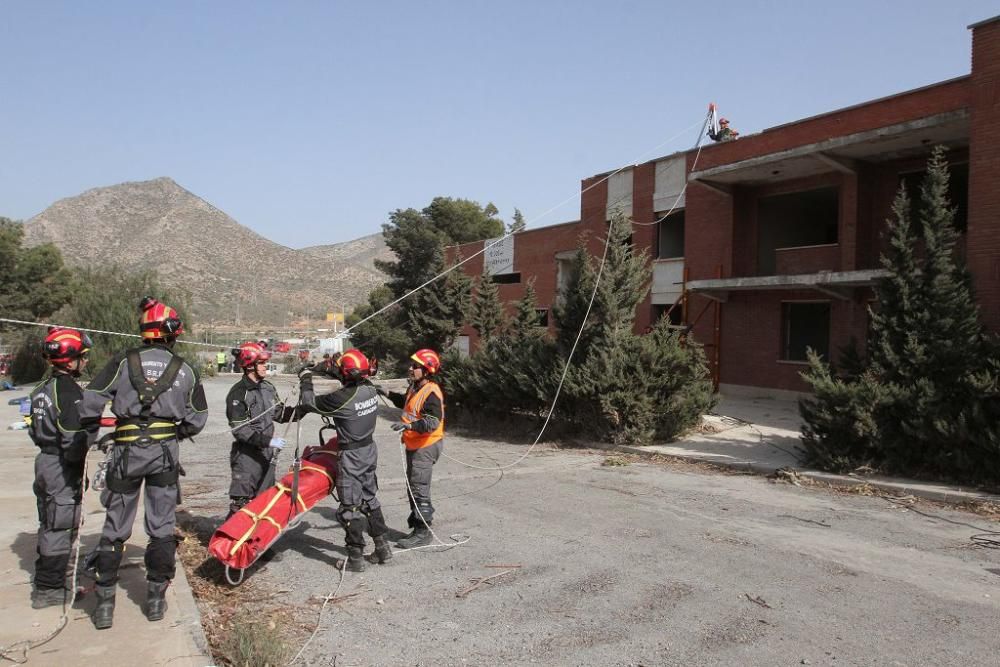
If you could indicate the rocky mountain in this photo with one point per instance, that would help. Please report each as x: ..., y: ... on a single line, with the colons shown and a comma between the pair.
x: 233, y: 274
x: 359, y: 254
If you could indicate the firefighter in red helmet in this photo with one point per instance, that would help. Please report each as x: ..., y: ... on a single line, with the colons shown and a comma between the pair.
x: 252, y: 408
x: 158, y: 400
x: 354, y: 410
x: 57, y: 431
x: 422, y: 430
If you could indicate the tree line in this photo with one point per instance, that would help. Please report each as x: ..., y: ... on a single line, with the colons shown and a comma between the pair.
x: 39, y: 286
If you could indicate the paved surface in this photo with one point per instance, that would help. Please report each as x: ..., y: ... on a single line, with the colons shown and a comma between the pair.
x: 619, y: 565
x: 133, y: 640
x: 761, y: 434
x: 634, y: 565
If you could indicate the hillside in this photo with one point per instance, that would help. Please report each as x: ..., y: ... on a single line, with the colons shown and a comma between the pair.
x: 230, y: 271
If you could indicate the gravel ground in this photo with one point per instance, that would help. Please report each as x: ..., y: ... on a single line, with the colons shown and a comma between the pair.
x: 638, y: 564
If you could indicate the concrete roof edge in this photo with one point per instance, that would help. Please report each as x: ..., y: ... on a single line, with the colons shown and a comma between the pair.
x: 977, y: 24
x: 797, y: 121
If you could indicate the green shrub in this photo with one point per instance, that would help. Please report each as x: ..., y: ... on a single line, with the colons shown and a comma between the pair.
x: 620, y: 387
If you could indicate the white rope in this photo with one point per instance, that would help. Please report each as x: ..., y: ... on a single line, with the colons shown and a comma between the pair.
x: 457, y: 539
x: 497, y: 241
x: 486, y: 246
x: 319, y: 619
x: 565, y: 371
x: 95, y: 331
x: 18, y: 651
x: 680, y: 195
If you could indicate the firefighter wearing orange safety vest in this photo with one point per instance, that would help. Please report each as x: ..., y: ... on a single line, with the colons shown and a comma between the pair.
x: 422, y: 430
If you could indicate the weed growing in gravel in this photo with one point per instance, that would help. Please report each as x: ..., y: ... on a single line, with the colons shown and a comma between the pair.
x: 251, y: 641
x: 614, y: 461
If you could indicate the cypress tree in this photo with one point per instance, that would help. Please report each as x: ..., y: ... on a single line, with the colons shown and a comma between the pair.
x: 439, y: 310
x: 623, y: 387
x: 487, y: 311
x: 928, y: 402
x: 526, y: 320
x: 571, y: 305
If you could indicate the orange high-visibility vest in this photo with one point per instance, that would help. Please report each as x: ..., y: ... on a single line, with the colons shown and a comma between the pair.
x: 413, y: 410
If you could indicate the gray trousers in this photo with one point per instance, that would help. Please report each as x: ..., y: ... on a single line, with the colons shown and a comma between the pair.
x: 357, y: 485
x: 419, y: 468
x: 252, y: 472
x: 58, y: 493
x: 160, y: 505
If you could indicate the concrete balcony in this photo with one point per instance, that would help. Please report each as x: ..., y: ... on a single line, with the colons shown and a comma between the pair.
x: 807, y: 259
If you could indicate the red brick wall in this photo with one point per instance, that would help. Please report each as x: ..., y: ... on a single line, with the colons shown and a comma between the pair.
x: 751, y: 337
x: 644, y: 235
x: 708, y: 247
x: 984, y: 172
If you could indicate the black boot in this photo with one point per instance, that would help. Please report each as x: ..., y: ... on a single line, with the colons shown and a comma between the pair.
x: 156, y: 601
x: 47, y: 597
x: 420, y: 537
x: 355, y: 560
x: 104, y: 612
x: 382, y: 553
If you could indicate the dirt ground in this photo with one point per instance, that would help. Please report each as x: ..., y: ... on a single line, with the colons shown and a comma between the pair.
x: 575, y: 557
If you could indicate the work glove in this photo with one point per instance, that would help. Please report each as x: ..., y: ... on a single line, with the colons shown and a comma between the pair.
x: 277, y: 443
x: 400, y: 426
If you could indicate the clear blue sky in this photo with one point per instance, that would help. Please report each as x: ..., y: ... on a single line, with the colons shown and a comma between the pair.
x: 309, y: 121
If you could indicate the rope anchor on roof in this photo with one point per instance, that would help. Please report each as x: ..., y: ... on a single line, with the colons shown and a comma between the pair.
x: 718, y: 128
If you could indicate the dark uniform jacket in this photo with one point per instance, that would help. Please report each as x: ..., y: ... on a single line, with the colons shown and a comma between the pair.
x: 55, y: 418
x: 252, y: 408
x: 353, y: 409
x: 183, y: 404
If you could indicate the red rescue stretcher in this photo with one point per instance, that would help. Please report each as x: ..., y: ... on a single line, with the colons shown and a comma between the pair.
x: 241, y: 540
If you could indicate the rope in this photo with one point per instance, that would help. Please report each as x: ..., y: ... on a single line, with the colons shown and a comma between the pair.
x: 497, y: 241
x: 694, y: 165
x: 566, y: 365
x: 319, y: 619
x: 95, y: 331
x: 18, y: 651
x: 458, y: 539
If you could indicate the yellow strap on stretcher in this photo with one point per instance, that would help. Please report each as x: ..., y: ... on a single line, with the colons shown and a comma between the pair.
x: 307, y: 466
x: 257, y: 518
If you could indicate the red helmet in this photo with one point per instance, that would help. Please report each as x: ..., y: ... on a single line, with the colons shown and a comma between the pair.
x: 248, y: 354
x: 63, y: 345
x: 428, y: 359
x: 353, y: 365
x: 158, y: 320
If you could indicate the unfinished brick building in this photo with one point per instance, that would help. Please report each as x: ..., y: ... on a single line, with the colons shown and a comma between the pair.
x: 775, y: 241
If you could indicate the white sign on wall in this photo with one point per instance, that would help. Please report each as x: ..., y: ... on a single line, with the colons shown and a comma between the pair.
x: 499, y: 258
